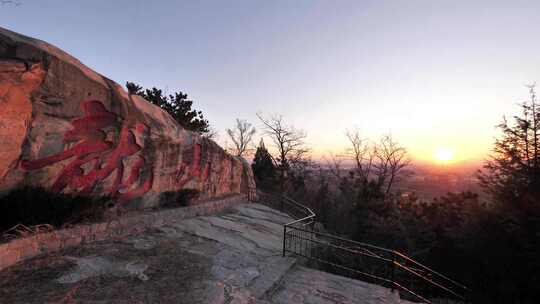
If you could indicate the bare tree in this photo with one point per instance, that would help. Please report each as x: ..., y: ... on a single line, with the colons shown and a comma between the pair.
x: 241, y: 136
x: 362, y: 153
x: 211, y: 134
x: 289, y: 141
x: 334, y: 163
x: 10, y: 2
x: 391, y: 159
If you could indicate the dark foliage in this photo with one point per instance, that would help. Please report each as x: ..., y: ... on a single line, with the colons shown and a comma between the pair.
x: 291, y: 150
x: 177, y: 105
x: 491, y: 249
x: 181, y: 198
x: 493, y: 246
x: 34, y: 206
x: 512, y: 177
x: 513, y: 170
x: 264, y: 169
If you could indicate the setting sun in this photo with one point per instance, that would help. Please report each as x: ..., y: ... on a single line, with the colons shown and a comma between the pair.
x: 443, y: 155
x: 367, y: 130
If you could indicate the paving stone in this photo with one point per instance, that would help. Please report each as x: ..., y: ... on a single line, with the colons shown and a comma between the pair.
x: 232, y: 258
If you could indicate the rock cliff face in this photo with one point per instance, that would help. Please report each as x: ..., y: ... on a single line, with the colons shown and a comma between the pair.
x: 69, y: 129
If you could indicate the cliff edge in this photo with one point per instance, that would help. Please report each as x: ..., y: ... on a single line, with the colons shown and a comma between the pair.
x: 68, y: 129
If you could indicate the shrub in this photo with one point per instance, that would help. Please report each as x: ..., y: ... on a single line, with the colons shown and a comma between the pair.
x: 33, y: 206
x: 181, y: 198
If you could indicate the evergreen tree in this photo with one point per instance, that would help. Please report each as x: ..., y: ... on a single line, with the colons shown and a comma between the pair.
x: 177, y: 105
x: 513, y: 171
x: 263, y: 167
x: 322, y: 200
x: 512, y: 177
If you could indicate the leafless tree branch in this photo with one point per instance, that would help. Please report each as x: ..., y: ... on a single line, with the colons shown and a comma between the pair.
x: 241, y: 136
x: 361, y: 153
x: 10, y: 2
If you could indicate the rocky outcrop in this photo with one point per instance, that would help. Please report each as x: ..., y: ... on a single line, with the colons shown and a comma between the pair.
x: 232, y: 257
x: 69, y: 129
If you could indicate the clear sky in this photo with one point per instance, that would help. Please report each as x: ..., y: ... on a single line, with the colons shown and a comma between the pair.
x: 433, y: 73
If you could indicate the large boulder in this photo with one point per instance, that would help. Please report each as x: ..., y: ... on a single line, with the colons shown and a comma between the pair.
x: 67, y: 128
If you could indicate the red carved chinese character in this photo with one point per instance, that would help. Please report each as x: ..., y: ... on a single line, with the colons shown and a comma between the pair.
x: 92, y: 146
x: 190, y: 169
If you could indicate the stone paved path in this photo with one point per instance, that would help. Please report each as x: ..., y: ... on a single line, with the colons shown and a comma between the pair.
x: 309, y: 286
x: 228, y: 258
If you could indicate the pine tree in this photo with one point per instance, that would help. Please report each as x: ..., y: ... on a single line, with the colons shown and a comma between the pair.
x: 512, y: 177
x: 263, y: 167
x: 177, y: 105
x: 513, y: 171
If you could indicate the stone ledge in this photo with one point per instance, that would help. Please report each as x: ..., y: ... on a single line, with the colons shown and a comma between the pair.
x: 25, y: 248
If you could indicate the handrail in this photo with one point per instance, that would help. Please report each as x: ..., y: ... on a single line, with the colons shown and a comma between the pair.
x: 431, y: 270
x: 386, y: 261
x: 430, y: 281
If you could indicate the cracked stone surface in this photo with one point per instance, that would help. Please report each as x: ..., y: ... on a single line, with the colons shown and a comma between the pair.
x: 88, y: 267
x: 309, y: 286
x: 232, y: 258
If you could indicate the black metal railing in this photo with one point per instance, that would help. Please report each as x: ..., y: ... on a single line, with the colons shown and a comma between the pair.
x: 357, y: 260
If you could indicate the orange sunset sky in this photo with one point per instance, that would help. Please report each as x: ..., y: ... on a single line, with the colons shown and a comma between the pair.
x: 437, y: 75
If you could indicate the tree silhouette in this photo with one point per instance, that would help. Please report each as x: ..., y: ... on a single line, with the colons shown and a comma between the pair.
x: 241, y: 135
x: 10, y: 2
x: 378, y: 164
x: 263, y: 167
x: 177, y: 105
x: 513, y: 171
x: 290, y: 145
x: 391, y: 158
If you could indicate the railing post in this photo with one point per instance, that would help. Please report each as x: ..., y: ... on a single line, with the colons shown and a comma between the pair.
x: 393, y: 270
x: 399, y: 262
x: 311, y: 237
x: 284, y: 236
